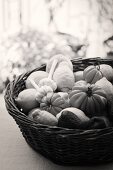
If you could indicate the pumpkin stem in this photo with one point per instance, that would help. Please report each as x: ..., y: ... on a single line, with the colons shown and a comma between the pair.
x: 89, y: 92
x: 98, y: 67
x: 49, y: 104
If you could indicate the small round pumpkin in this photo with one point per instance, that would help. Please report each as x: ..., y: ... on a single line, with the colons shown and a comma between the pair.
x: 92, y: 74
x: 107, y: 71
x: 55, y: 104
x: 89, y: 98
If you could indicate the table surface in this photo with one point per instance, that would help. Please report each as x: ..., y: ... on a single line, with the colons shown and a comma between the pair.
x: 15, y: 153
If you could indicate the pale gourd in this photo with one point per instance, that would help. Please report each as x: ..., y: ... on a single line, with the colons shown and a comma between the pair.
x: 36, y: 77
x: 107, y: 71
x: 42, y: 117
x: 78, y: 76
x: 26, y: 100
x: 60, y: 58
x: 64, y: 78
x: 106, y: 86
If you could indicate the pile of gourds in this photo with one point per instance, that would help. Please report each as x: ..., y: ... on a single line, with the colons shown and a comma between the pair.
x: 61, y: 97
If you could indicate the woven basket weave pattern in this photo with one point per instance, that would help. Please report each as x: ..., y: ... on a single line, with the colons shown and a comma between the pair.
x: 62, y: 146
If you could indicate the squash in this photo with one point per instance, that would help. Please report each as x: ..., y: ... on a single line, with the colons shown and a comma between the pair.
x: 55, y: 104
x: 63, y: 72
x: 98, y: 122
x: 72, y: 118
x: 44, y: 94
x: 80, y: 83
x: 64, y: 78
x: 76, y: 119
x: 107, y: 71
x: 42, y: 117
x: 61, y: 59
x: 78, y: 76
x: 35, y: 76
x: 90, y: 98
x: 106, y: 86
x: 26, y: 100
x: 64, y: 95
x: 92, y: 74
x: 48, y: 81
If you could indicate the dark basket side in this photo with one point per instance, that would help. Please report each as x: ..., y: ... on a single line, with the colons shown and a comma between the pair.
x: 62, y: 146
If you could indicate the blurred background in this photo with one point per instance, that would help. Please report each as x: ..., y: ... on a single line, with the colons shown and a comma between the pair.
x: 32, y: 31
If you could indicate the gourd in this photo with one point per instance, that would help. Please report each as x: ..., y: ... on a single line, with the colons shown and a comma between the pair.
x: 107, y: 71
x: 78, y: 76
x: 49, y: 81
x: 76, y: 119
x: 26, y: 100
x: 92, y: 74
x: 106, y: 86
x: 55, y: 104
x: 64, y: 95
x: 63, y: 72
x: 60, y: 59
x: 43, y: 93
x: 35, y: 76
x: 98, y: 122
x: 89, y: 98
x: 72, y: 118
x: 64, y: 78
x: 80, y: 83
x: 42, y: 117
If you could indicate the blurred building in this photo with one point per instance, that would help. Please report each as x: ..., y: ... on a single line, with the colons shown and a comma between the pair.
x: 87, y: 20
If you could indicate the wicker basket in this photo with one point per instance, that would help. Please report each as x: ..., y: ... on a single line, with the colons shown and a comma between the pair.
x: 61, y: 145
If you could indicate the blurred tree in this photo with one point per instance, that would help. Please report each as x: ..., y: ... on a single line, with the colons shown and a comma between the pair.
x: 20, y: 12
x: 53, y: 6
x: 100, y: 26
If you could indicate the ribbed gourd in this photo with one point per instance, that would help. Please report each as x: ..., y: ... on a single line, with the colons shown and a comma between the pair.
x: 92, y: 74
x: 90, y: 98
x: 55, y: 104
